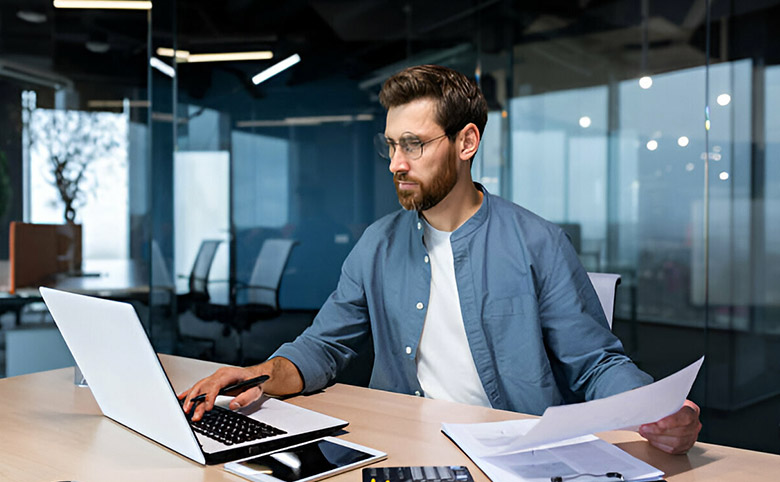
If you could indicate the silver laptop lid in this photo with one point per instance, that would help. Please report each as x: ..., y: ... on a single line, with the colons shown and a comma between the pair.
x: 110, y: 346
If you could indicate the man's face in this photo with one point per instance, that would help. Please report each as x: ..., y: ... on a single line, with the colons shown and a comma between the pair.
x: 420, y: 183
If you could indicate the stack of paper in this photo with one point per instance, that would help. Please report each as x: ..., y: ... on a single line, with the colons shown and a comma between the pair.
x: 561, y: 442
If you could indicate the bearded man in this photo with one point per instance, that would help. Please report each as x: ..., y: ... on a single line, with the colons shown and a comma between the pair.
x: 466, y: 296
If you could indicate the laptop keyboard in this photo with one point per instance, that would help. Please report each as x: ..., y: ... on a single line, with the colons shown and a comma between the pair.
x: 232, y: 428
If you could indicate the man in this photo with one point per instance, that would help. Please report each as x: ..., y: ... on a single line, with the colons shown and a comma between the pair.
x: 467, y: 297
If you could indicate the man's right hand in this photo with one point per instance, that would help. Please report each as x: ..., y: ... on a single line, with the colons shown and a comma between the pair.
x: 285, y: 379
x: 211, y: 385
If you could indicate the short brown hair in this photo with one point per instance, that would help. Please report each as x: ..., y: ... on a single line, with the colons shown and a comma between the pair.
x: 458, y: 100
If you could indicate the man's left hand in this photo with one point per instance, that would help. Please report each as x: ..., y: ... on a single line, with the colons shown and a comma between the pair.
x: 676, y: 433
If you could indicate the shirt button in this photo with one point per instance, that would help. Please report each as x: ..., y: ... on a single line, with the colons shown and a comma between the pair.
x: 426, y: 259
x: 417, y: 392
x: 419, y: 225
x: 419, y: 305
x: 408, y: 350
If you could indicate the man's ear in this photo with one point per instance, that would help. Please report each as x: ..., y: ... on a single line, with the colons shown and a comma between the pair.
x: 469, y: 142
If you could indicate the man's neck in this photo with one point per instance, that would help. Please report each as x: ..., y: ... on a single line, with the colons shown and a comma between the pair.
x: 456, y: 208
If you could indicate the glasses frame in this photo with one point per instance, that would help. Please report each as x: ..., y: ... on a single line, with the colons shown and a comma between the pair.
x: 386, y: 147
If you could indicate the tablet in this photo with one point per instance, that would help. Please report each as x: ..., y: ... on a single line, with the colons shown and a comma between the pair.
x: 306, y: 462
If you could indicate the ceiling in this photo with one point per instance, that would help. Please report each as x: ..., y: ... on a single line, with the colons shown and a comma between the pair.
x: 365, y: 40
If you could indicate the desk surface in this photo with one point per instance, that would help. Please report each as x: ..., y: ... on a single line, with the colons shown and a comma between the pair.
x: 53, y: 430
x: 109, y: 277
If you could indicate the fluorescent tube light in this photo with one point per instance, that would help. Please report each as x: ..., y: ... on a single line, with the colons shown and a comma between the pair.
x: 162, y: 67
x: 230, y: 56
x: 166, y: 52
x: 276, y: 68
x: 104, y: 4
x: 189, y: 57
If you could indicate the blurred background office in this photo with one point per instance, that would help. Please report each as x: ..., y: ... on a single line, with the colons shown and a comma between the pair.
x: 648, y: 129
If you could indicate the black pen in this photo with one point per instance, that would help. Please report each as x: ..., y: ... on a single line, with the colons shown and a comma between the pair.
x: 235, y: 389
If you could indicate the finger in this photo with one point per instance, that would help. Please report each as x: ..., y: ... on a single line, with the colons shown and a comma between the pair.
x: 245, y: 398
x: 190, y: 394
x: 684, y: 417
x: 655, y: 429
x: 672, y: 443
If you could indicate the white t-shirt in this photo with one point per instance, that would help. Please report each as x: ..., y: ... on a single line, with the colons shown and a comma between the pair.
x: 445, y: 366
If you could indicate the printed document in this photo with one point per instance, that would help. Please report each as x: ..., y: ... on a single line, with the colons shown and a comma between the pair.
x: 563, y: 435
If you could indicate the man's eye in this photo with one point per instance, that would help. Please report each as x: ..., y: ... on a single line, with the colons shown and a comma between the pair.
x: 410, y: 146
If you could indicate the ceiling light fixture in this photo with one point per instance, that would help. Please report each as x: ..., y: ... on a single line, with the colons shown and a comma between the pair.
x: 166, y: 52
x: 276, y: 68
x: 230, y: 56
x: 190, y: 58
x: 104, y: 4
x: 162, y: 67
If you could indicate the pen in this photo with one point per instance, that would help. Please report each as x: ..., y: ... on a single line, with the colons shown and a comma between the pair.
x: 235, y: 389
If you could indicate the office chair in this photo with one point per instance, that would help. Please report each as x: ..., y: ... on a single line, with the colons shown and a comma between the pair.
x: 605, y: 285
x: 261, y: 293
x: 199, y: 276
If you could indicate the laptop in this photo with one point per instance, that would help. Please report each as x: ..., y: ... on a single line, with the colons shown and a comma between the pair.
x: 130, y: 386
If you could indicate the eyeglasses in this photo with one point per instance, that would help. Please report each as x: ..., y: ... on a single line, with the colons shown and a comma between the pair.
x: 411, y: 145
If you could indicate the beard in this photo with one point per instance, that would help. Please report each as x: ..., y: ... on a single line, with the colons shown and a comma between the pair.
x: 427, y: 196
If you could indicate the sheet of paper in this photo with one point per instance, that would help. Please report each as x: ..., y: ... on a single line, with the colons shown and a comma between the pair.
x: 583, y: 455
x: 624, y: 411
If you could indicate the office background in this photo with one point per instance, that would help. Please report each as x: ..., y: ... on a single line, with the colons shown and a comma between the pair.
x: 647, y: 129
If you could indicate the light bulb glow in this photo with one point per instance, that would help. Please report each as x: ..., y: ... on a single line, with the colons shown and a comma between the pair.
x: 646, y: 82
x: 652, y: 145
x: 724, y: 176
x: 585, y: 122
x: 683, y: 141
x: 724, y: 99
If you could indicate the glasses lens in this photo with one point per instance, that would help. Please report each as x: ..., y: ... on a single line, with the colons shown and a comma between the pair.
x: 383, y: 147
x: 411, y: 146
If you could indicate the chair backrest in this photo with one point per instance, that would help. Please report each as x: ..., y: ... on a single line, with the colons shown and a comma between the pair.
x: 605, y: 285
x: 267, y: 274
x: 199, y: 276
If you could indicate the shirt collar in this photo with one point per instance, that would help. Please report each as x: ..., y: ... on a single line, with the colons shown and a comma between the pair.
x: 471, y: 224
x: 479, y: 217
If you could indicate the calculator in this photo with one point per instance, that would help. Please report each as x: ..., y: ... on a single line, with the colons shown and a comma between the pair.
x: 429, y: 473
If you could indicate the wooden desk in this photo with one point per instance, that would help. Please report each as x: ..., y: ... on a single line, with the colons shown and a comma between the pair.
x: 52, y: 430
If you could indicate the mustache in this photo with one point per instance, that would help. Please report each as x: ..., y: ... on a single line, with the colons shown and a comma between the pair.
x: 403, y: 177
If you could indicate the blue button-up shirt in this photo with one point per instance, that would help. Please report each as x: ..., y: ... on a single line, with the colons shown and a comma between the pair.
x: 534, y: 324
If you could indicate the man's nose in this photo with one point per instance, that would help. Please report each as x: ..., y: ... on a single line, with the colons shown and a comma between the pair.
x: 398, y: 162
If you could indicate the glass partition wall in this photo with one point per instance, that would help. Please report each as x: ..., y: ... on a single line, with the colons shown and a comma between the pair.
x: 646, y: 129
x: 74, y: 139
